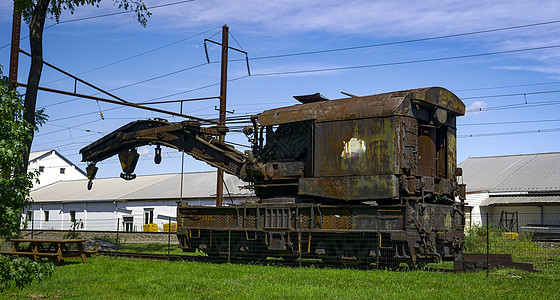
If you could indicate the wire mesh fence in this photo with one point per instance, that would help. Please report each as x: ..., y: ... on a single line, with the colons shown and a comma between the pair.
x: 374, y: 240
x: 530, y: 241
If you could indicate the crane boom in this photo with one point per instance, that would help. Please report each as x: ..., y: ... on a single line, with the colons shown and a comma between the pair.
x: 187, y: 136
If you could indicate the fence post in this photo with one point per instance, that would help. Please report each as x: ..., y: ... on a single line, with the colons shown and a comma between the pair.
x: 32, y: 224
x: 487, y: 246
x: 117, y: 241
x: 229, y: 241
x: 378, y: 250
x: 168, y: 238
x: 300, y: 238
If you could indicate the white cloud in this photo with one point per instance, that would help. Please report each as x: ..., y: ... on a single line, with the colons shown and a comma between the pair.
x: 363, y: 17
x: 144, y: 151
x: 476, y: 107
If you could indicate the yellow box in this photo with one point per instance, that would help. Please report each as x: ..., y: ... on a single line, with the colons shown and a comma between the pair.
x: 150, y: 228
x: 173, y: 227
x: 510, y: 235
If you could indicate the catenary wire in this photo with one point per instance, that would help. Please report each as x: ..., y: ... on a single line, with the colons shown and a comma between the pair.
x: 108, y: 15
x: 136, y: 55
x: 407, y: 41
x: 404, y: 62
x: 508, y: 122
x: 509, y: 133
x: 513, y: 94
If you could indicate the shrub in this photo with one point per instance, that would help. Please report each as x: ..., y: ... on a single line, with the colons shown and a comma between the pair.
x: 22, y: 271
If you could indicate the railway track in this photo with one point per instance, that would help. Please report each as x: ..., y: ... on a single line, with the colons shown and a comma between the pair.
x: 217, y: 259
x: 221, y: 260
x: 154, y: 256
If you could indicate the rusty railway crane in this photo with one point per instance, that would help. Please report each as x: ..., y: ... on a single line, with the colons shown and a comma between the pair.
x: 357, y: 180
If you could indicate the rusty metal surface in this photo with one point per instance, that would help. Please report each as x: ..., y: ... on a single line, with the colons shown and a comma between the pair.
x: 328, y: 174
x: 14, y: 50
x: 351, y: 188
x: 404, y: 233
x: 363, y: 107
x: 355, y: 147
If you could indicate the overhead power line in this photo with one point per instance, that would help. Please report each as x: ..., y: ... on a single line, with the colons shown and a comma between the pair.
x: 120, y: 13
x: 75, y: 127
x: 330, y: 69
x: 108, y: 15
x: 513, y: 94
x: 132, y: 84
x: 139, y: 54
x: 408, y: 41
x: 505, y: 86
x: 512, y: 106
x: 508, y: 122
x: 405, y: 62
x: 509, y: 133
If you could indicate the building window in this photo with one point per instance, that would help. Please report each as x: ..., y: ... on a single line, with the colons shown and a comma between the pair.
x: 148, y: 216
x: 41, y: 169
x: 128, y: 223
x: 46, y: 215
x: 29, y: 215
x: 62, y: 170
x: 72, y: 216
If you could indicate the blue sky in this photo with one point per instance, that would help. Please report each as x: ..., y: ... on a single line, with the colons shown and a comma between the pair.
x: 266, y: 28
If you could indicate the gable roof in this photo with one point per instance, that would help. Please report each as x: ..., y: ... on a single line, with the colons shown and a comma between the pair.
x: 36, y: 155
x: 149, y: 187
x: 513, y: 173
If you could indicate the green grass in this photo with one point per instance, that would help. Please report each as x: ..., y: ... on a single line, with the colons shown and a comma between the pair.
x: 522, y: 249
x: 159, y: 248
x: 107, y: 278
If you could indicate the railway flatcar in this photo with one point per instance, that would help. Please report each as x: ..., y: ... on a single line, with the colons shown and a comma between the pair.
x: 357, y: 180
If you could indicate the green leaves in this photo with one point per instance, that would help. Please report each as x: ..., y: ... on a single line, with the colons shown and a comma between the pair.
x: 22, y: 271
x: 56, y: 7
x: 14, y: 130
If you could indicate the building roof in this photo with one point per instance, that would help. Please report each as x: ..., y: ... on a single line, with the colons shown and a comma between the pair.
x: 521, y: 200
x: 532, y: 173
x: 41, y: 154
x: 150, y: 187
x: 38, y: 154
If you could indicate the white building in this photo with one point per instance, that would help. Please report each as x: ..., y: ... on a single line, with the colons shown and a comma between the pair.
x: 516, y: 191
x: 53, y: 167
x: 131, y: 204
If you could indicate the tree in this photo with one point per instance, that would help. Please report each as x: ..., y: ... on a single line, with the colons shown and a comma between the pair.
x: 14, y: 131
x: 35, y: 13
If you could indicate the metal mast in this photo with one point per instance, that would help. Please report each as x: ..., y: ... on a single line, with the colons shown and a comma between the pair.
x: 222, y: 119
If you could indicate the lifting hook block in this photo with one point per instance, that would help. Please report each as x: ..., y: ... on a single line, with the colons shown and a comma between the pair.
x: 157, y: 157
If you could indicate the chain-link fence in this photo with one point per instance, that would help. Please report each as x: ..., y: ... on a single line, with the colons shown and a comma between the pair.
x: 515, y: 240
x: 368, y: 239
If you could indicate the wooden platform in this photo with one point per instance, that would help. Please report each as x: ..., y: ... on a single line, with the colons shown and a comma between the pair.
x: 470, y: 262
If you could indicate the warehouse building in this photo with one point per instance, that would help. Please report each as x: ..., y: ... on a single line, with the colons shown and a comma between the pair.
x: 519, y: 193
x: 127, y: 205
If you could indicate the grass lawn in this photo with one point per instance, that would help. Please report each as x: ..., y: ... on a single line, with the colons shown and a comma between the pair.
x: 159, y: 248
x: 107, y: 278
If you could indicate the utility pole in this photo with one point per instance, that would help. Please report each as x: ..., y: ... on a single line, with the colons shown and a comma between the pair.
x: 222, y: 119
x: 14, y: 53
